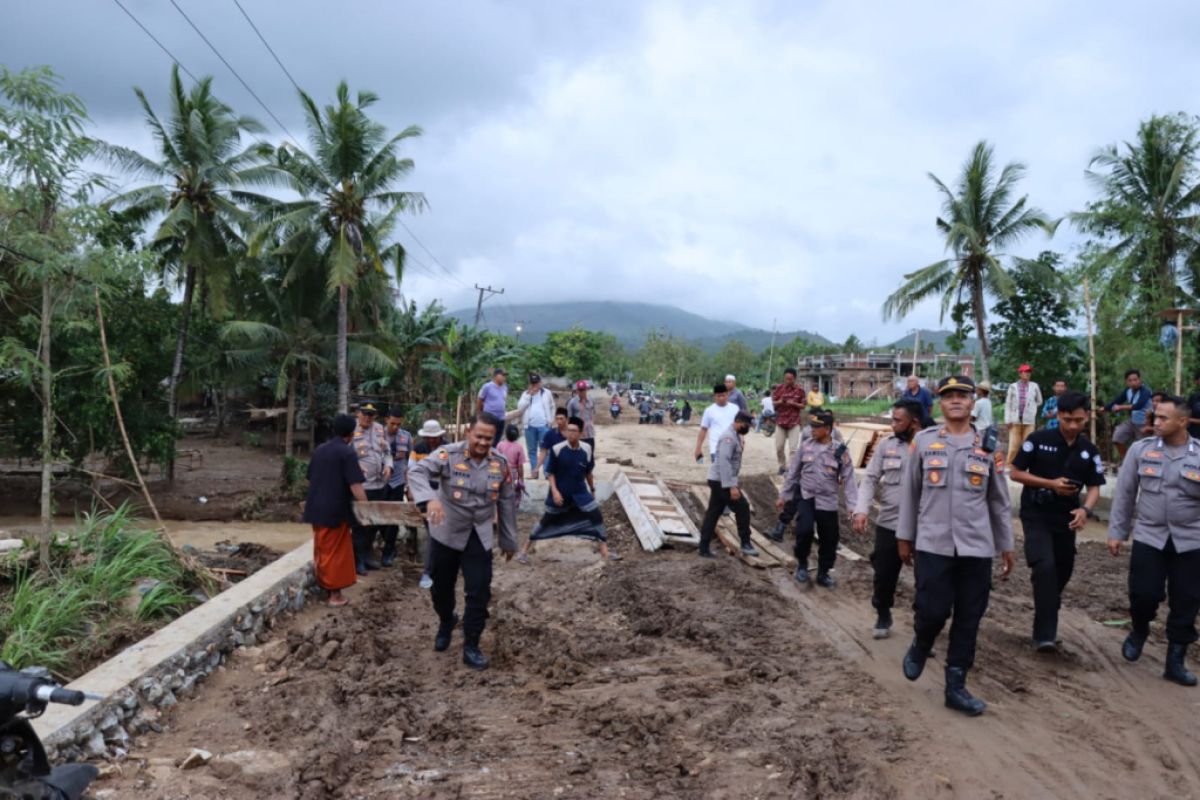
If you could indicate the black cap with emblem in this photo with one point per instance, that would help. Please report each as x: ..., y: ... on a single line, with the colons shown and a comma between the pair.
x: 821, y: 418
x: 956, y: 383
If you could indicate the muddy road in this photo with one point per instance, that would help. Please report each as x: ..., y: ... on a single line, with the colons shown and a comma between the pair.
x: 665, y: 676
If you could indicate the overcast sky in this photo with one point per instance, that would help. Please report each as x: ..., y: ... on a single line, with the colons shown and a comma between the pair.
x: 744, y: 160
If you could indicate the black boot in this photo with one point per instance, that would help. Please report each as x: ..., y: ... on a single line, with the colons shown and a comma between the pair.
x: 1175, y: 670
x: 442, y: 641
x: 776, y: 533
x: 388, y: 557
x: 914, y: 661
x: 1131, y: 649
x: 957, y: 696
x: 473, y: 657
x: 883, y: 624
x: 706, y: 553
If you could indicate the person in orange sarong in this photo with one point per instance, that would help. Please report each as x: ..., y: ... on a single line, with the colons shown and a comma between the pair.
x: 334, y: 480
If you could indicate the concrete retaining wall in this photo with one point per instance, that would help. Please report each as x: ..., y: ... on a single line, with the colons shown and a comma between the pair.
x: 166, y: 666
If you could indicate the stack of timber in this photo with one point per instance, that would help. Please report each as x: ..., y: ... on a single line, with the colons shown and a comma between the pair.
x: 653, y: 510
x: 388, y: 512
x: 861, y: 439
x: 770, y: 554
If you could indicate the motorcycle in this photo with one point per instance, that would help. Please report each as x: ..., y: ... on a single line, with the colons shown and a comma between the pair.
x: 767, y: 426
x: 25, y: 772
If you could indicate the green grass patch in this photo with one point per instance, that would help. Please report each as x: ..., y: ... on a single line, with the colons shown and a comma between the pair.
x: 67, y: 613
x: 861, y: 408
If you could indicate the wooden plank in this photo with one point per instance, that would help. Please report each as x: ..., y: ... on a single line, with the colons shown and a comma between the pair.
x: 727, y: 534
x: 388, y: 512
x: 772, y: 549
x: 678, y: 525
x: 644, y: 526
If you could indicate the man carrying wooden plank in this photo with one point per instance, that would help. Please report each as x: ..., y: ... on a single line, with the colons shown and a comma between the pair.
x: 883, y: 479
x: 723, y: 488
x: 821, y: 466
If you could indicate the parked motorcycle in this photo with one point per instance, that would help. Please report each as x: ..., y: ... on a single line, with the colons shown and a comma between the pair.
x: 25, y: 772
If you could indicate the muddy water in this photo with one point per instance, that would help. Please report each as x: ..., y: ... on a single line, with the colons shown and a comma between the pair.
x: 282, y: 536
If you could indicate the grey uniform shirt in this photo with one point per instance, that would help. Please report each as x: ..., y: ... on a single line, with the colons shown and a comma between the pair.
x: 952, y: 499
x: 728, y: 462
x: 374, y: 454
x: 884, y: 473
x: 817, y: 471
x: 1160, y: 498
x: 471, y: 492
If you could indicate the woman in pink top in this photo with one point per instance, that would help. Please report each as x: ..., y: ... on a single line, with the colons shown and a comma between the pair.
x: 514, y: 453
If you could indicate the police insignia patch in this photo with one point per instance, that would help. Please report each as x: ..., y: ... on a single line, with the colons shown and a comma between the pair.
x: 458, y: 495
x: 937, y: 446
x: 976, y: 480
x: 937, y: 462
x: 1027, y: 447
x: 935, y: 476
x: 443, y: 455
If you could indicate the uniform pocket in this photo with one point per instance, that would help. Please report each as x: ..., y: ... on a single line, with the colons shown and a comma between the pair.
x: 935, y: 477
x: 1190, y: 480
x: 975, y: 475
x: 1150, y: 476
x: 891, y: 477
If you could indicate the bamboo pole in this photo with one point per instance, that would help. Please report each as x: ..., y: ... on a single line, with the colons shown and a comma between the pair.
x: 1178, y: 351
x: 1087, y: 304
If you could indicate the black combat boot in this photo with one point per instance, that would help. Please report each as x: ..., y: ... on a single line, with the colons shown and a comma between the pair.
x: 776, y: 533
x: 1175, y: 670
x: 824, y: 579
x: 957, y: 696
x: 473, y: 657
x: 883, y: 624
x: 1131, y: 649
x: 442, y: 641
x: 914, y: 661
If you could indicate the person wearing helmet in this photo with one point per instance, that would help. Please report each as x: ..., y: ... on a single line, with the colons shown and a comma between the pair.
x: 584, y: 407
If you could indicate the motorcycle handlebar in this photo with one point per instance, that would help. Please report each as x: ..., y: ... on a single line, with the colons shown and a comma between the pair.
x: 54, y: 694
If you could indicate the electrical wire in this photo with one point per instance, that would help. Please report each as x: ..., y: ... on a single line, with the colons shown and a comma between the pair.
x: 449, y: 274
x: 229, y: 66
x: 263, y: 39
x: 162, y: 46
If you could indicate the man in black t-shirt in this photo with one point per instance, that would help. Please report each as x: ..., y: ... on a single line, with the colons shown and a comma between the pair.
x: 1194, y: 408
x: 1055, y: 465
x: 334, y: 481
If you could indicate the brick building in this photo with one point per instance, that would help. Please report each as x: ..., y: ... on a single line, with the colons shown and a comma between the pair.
x: 878, y: 375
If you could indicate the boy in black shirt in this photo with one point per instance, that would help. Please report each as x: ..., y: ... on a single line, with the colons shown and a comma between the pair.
x: 1055, y: 465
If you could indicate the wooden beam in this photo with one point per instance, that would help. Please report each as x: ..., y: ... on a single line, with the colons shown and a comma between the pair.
x: 644, y: 527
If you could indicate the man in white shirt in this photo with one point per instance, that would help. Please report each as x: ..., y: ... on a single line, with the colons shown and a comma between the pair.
x: 1020, y: 409
x: 716, y: 419
x: 981, y: 413
x: 536, y: 408
x: 768, y: 409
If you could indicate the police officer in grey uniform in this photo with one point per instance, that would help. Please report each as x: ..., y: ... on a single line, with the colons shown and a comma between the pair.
x: 375, y: 460
x: 956, y: 514
x: 1159, y: 503
x: 474, y: 489
x: 882, y: 478
x: 819, y: 467
x: 724, y: 491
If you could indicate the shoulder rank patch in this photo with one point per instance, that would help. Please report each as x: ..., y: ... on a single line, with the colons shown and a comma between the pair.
x: 443, y: 455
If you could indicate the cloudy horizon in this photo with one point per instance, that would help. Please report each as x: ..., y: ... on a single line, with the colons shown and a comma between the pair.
x: 752, y: 161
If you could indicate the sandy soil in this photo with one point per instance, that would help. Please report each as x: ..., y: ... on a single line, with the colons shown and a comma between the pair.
x: 666, y: 676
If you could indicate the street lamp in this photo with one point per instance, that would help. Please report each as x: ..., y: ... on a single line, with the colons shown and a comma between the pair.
x: 519, y: 332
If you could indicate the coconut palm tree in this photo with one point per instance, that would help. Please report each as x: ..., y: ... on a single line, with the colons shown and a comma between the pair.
x: 347, y: 209
x: 201, y: 169
x: 978, y: 221
x: 1148, y: 215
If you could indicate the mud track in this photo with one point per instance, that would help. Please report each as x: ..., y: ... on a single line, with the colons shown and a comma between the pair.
x: 666, y: 676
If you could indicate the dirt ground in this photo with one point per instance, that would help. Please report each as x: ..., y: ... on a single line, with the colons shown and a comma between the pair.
x: 666, y: 676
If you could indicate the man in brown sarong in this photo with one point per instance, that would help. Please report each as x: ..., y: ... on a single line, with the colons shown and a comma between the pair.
x: 334, y: 480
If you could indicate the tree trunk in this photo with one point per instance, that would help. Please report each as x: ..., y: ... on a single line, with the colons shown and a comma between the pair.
x: 289, y: 436
x: 312, y: 411
x: 342, y: 367
x: 47, y: 421
x: 189, y: 287
x: 985, y: 350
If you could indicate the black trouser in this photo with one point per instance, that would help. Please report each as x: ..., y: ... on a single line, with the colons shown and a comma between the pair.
x: 1149, y: 570
x: 718, y: 501
x: 363, y: 536
x: 885, y: 558
x: 946, y: 585
x: 499, y: 437
x: 476, y: 565
x: 825, y: 525
x: 1050, y: 553
x: 591, y: 442
x: 391, y: 532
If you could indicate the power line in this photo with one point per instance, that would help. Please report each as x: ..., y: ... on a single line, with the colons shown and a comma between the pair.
x: 170, y: 55
x: 229, y: 66
x: 450, y: 274
x: 262, y: 39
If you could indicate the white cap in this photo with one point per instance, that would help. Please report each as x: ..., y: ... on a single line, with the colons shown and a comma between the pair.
x: 730, y: 378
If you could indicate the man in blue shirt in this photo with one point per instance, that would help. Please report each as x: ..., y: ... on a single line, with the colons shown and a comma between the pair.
x: 571, y: 505
x: 1050, y: 407
x: 1136, y: 399
x: 493, y: 399
x: 916, y: 391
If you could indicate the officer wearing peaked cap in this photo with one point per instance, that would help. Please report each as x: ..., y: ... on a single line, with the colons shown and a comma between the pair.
x: 472, y: 501
x: 954, y: 517
x: 1158, y: 501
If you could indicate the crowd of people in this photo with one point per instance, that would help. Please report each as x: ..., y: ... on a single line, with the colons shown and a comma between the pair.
x: 938, y: 493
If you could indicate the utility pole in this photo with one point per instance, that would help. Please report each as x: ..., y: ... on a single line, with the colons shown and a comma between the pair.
x: 479, y: 305
x: 916, y: 348
x: 771, y: 358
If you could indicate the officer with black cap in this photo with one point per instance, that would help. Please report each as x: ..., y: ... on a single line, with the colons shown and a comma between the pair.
x: 815, y: 473
x: 1158, y: 501
x: 955, y: 515
x: 1054, y: 465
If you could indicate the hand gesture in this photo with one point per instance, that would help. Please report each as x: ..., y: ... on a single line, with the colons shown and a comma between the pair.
x: 1007, y: 560
x: 860, y: 523
x: 435, y: 512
